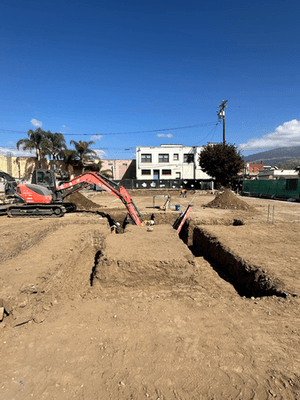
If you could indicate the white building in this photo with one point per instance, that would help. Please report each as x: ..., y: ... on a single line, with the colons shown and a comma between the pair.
x: 275, y: 173
x: 169, y: 161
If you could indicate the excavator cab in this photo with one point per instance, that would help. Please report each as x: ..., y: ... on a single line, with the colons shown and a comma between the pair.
x: 44, y: 177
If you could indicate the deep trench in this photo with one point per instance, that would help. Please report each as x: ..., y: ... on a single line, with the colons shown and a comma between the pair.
x: 248, y: 280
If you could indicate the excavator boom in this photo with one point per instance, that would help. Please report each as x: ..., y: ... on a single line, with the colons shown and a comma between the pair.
x: 97, y: 179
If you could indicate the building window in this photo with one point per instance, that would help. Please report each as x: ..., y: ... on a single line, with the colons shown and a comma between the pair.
x: 188, y: 158
x: 166, y: 172
x: 175, y: 157
x: 163, y: 158
x: 146, y: 171
x: 110, y: 163
x: 146, y: 157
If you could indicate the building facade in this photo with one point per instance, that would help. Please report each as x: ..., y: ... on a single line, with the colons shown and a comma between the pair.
x: 120, y: 169
x: 22, y: 167
x: 275, y: 173
x: 172, y: 161
x: 253, y: 168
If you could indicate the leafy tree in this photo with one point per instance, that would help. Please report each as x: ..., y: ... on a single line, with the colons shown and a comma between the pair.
x: 53, y: 144
x: 83, y: 151
x: 35, y: 141
x: 221, y: 161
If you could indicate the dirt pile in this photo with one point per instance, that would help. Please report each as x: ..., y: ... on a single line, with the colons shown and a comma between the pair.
x: 82, y: 202
x: 228, y: 200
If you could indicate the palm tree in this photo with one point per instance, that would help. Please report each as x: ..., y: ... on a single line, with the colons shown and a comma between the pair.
x: 84, y: 153
x: 54, y: 143
x: 35, y: 142
x: 68, y: 156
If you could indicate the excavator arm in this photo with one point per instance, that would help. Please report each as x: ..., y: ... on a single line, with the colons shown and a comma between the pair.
x: 121, y: 193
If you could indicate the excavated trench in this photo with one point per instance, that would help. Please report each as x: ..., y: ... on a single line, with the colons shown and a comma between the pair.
x: 248, y: 280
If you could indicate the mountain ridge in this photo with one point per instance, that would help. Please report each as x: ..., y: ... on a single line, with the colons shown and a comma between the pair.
x: 277, y: 155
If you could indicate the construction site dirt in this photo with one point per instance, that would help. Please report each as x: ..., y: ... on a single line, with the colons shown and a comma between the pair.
x: 212, y: 313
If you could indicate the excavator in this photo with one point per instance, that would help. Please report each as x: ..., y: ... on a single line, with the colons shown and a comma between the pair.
x: 42, y: 197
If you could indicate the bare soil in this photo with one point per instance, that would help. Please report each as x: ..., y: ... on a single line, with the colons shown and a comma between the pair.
x: 148, y: 314
x: 81, y: 201
x: 228, y: 200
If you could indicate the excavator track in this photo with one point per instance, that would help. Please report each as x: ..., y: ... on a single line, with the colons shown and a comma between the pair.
x: 3, y: 209
x: 36, y: 211
x: 70, y: 207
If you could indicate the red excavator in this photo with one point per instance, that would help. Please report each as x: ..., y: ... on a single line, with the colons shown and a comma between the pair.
x: 42, y: 197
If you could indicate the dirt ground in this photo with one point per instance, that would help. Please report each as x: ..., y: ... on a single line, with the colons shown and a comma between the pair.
x: 140, y: 314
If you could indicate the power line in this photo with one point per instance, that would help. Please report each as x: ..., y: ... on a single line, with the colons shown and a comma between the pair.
x: 208, y: 133
x: 102, y: 148
x: 121, y: 133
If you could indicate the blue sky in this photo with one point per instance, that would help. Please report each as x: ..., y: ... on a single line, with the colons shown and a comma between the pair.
x: 95, y: 70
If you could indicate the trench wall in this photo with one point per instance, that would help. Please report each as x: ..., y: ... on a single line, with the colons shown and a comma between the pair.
x: 248, y: 279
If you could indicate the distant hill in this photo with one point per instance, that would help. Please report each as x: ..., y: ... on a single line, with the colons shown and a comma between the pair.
x: 289, y: 155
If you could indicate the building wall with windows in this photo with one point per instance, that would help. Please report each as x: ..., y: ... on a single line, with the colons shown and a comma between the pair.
x: 173, y: 161
x: 253, y: 168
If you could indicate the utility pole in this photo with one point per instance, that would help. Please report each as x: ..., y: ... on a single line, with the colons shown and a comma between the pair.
x: 221, y: 115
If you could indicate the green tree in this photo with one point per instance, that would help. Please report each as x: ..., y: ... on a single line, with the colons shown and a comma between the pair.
x: 221, y: 161
x: 83, y: 152
x: 35, y: 141
x: 53, y: 144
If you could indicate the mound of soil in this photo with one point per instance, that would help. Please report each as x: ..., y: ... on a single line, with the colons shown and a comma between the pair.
x: 82, y: 202
x: 228, y: 200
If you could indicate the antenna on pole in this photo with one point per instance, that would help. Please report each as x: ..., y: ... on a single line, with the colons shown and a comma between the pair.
x: 221, y: 115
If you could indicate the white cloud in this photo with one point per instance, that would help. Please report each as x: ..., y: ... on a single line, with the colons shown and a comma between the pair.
x: 96, y: 137
x: 285, y: 135
x: 100, y: 153
x: 36, y: 123
x: 168, y: 135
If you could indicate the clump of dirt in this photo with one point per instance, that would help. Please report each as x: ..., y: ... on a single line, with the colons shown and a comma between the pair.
x: 82, y: 202
x: 227, y: 200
